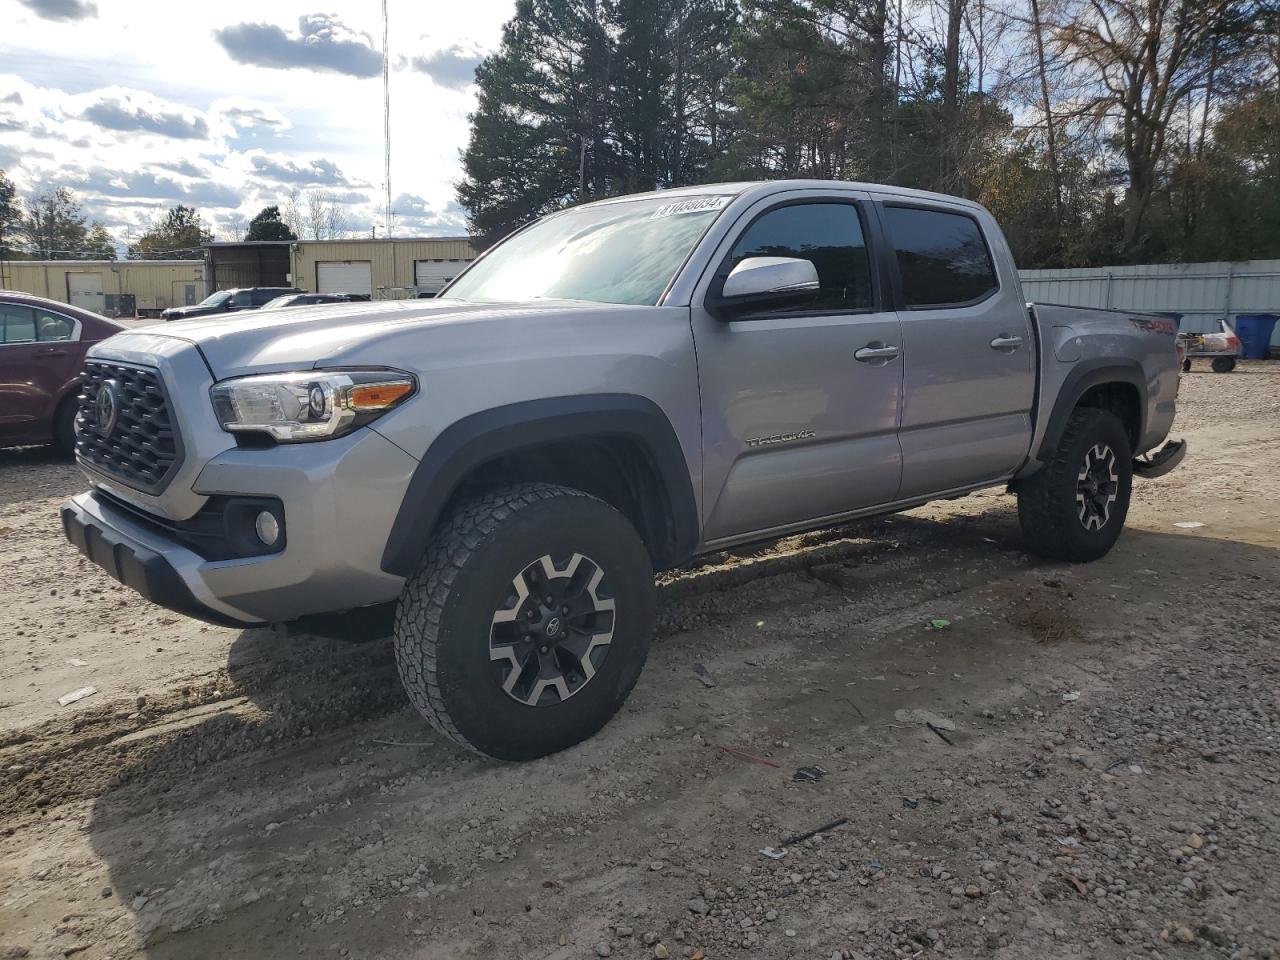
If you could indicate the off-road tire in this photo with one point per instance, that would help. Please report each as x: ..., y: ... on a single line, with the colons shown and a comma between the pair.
x: 1048, y: 510
x: 64, y: 428
x: 1223, y: 364
x: 446, y: 612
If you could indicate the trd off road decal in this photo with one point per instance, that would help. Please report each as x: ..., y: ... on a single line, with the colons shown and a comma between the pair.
x: 1152, y: 325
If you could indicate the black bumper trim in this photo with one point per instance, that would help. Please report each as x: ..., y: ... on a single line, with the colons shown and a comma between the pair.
x: 135, y: 566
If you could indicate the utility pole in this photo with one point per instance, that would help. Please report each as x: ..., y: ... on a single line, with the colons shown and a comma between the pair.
x: 386, y: 114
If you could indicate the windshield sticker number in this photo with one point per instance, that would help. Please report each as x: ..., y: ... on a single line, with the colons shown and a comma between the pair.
x: 696, y: 205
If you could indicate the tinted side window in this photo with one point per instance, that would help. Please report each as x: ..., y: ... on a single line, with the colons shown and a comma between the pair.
x: 828, y: 234
x: 17, y: 324
x: 242, y: 298
x: 942, y: 257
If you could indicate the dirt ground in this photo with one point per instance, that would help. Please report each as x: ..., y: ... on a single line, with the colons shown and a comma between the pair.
x: 1082, y: 763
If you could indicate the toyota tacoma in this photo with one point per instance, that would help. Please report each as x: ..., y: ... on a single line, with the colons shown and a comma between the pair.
x: 617, y: 388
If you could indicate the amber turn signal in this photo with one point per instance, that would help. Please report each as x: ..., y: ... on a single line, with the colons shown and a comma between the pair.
x: 368, y: 397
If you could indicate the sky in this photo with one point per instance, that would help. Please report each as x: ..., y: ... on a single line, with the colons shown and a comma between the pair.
x: 228, y: 106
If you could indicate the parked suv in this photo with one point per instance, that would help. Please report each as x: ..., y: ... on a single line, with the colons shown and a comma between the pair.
x: 310, y: 299
x: 42, y: 348
x: 617, y: 388
x: 228, y: 301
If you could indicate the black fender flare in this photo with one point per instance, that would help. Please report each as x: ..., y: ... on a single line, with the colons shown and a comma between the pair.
x: 484, y: 436
x: 1083, y: 377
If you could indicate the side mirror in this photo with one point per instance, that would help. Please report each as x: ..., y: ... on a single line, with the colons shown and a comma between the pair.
x: 766, y: 282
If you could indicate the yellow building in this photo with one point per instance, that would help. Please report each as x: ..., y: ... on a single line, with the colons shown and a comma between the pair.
x: 385, y: 269
x: 111, y: 287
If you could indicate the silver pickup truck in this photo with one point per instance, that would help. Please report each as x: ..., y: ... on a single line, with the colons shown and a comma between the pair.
x: 615, y: 389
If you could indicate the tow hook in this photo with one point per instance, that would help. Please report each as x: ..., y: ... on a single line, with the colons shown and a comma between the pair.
x: 1160, y: 462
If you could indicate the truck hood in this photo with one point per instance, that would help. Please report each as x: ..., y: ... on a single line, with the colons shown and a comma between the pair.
x: 299, y: 337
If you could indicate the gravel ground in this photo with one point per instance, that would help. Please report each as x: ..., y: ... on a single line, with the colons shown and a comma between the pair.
x: 1082, y: 763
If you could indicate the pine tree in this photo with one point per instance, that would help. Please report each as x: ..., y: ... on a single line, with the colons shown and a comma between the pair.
x: 268, y: 225
x: 176, y: 236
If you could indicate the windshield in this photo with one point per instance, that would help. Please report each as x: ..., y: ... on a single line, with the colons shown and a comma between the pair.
x: 284, y: 301
x: 625, y: 252
x: 216, y: 299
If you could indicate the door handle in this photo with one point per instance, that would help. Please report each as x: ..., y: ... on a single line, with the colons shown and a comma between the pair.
x: 52, y: 352
x: 872, y: 353
x: 1006, y: 343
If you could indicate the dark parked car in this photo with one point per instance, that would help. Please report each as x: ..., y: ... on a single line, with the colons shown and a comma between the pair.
x: 42, y: 348
x: 228, y: 301
x: 306, y: 299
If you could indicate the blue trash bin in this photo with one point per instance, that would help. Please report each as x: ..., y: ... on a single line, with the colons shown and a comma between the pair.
x: 1254, y: 331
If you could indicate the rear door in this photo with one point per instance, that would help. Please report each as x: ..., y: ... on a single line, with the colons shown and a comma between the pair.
x: 968, y: 348
x: 795, y: 426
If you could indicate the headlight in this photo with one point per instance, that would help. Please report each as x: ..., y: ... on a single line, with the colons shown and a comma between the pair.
x: 309, y: 404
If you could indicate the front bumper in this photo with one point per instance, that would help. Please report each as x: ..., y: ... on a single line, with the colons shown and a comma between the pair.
x: 339, y: 498
x: 140, y: 567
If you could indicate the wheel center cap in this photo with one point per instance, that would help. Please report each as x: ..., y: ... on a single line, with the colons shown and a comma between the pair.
x: 552, y: 627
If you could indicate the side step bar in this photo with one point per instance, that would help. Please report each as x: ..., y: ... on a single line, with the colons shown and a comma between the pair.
x: 1160, y: 463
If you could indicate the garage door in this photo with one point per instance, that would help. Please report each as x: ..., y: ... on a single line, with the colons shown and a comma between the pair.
x: 346, y: 276
x: 85, y: 290
x: 431, y: 275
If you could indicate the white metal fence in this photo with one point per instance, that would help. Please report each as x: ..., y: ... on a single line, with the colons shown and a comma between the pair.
x: 1202, y: 292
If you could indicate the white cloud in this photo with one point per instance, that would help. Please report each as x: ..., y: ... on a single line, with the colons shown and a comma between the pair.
x: 321, y: 42
x: 186, y: 123
x: 62, y: 9
x: 244, y: 113
x: 453, y: 67
x: 135, y: 110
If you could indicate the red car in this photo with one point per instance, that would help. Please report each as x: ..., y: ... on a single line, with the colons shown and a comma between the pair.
x: 42, y: 348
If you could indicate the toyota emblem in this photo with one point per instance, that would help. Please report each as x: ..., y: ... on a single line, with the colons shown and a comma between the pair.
x: 107, y: 406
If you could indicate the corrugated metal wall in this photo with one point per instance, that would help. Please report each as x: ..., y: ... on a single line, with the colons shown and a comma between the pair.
x: 391, y: 260
x: 1202, y: 292
x: 155, y: 284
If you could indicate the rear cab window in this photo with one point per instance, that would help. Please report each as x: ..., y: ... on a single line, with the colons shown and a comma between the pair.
x: 829, y: 235
x: 943, y: 258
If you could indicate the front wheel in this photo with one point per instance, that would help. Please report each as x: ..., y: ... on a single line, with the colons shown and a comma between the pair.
x: 1224, y: 364
x: 528, y: 621
x: 64, y: 428
x: 1075, y: 507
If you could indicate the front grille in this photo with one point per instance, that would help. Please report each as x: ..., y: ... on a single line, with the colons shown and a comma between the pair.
x: 138, y: 446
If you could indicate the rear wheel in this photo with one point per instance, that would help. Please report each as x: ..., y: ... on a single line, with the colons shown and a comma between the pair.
x: 528, y: 621
x: 1224, y: 364
x: 1074, y: 508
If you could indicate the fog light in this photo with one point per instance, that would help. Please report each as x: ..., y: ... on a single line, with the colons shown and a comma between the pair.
x: 267, y: 527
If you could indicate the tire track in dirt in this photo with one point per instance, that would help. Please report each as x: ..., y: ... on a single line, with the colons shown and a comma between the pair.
x: 302, y: 687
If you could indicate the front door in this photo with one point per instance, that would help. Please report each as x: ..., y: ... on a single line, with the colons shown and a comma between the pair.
x: 968, y: 349
x: 796, y: 425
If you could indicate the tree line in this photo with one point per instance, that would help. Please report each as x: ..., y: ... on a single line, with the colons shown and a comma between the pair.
x: 52, y: 225
x: 1097, y: 131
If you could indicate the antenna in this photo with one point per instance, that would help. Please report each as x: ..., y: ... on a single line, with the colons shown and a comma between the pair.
x: 386, y: 114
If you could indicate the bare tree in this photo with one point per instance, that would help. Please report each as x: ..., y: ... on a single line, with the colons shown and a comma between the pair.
x: 1037, y: 32
x: 951, y: 66
x: 291, y: 212
x: 326, y: 219
x: 1136, y: 62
